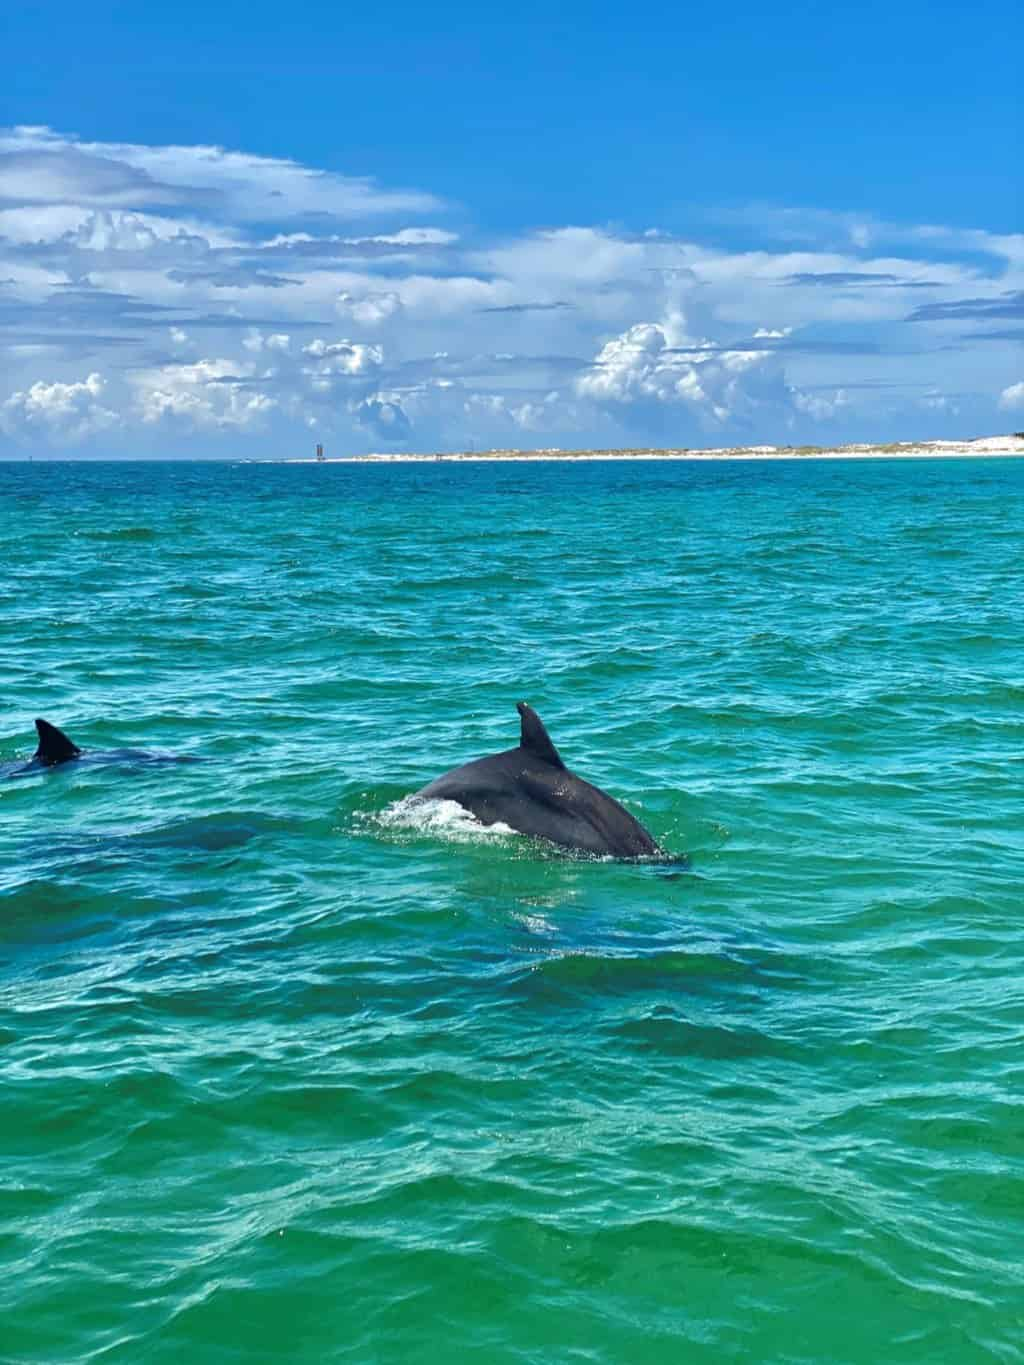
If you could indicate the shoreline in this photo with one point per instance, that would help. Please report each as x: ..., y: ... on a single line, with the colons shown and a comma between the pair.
x: 986, y: 446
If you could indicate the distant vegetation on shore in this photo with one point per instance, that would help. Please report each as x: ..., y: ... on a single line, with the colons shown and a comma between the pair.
x: 981, y: 445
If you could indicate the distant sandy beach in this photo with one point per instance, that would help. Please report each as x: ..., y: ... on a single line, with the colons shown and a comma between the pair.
x: 908, y: 450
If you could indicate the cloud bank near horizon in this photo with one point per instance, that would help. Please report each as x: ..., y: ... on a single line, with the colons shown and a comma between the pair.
x: 172, y: 300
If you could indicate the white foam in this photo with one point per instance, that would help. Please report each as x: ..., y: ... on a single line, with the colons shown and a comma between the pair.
x: 441, y: 819
x: 536, y: 924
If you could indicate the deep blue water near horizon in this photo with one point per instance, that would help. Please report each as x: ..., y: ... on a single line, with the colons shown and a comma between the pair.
x: 288, y: 1074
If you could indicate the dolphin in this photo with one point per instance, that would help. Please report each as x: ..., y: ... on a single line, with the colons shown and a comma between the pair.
x: 532, y: 791
x: 56, y: 749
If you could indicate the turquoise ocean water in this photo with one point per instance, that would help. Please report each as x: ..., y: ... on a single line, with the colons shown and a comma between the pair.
x: 288, y: 1074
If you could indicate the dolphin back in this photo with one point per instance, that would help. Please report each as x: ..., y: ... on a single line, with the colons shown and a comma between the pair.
x: 532, y: 791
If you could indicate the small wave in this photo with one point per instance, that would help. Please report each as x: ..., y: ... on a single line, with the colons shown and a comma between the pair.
x: 626, y: 973
x: 121, y: 533
x: 669, y: 1035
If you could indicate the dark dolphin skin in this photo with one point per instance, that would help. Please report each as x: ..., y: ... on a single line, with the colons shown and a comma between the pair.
x: 531, y: 790
x: 56, y: 749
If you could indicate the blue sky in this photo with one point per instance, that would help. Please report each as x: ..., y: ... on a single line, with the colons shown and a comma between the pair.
x: 429, y: 227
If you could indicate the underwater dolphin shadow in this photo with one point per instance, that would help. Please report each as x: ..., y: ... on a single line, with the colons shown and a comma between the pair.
x: 530, y: 790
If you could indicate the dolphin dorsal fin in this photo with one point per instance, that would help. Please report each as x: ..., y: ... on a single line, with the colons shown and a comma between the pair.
x: 534, y: 738
x: 54, y: 745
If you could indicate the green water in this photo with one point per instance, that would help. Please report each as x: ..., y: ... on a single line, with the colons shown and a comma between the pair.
x: 288, y: 1074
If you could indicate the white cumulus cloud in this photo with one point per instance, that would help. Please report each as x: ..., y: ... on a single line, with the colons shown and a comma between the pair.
x: 370, y: 308
x: 58, y: 411
x: 653, y: 364
x: 276, y: 341
x: 383, y: 415
x: 821, y: 406
x: 209, y: 393
x: 342, y: 357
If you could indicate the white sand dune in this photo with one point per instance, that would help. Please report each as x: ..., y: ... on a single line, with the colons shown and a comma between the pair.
x: 982, y: 445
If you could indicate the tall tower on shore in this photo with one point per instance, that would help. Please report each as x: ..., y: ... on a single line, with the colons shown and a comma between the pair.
x: 319, y: 451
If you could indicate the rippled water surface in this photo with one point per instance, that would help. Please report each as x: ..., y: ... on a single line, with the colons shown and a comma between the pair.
x: 286, y: 1077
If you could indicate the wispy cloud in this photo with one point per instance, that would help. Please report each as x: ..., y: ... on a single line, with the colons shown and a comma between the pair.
x: 527, y: 307
x: 859, y: 279
x: 39, y: 166
x: 1010, y: 305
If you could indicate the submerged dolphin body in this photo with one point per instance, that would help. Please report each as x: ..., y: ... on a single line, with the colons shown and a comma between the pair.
x: 532, y: 791
x: 55, y: 749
